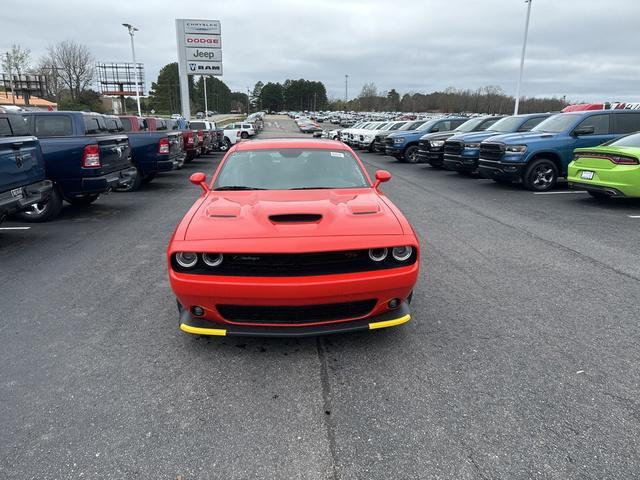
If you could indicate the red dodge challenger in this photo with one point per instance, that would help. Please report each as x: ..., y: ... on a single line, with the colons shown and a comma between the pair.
x: 291, y: 238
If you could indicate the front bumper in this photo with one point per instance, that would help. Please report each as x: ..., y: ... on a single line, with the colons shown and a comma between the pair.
x: 18, y: 199
x: 200, y: 326
x: 460, y: 163
x: 500, y: 170
x: 107, y: 182
x: 393, y: 150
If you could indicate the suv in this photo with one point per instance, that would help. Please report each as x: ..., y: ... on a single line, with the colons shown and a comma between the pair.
x: 462, y: 150
x: 246, y: 129
x: 403, y: 144
x: 539, y: 157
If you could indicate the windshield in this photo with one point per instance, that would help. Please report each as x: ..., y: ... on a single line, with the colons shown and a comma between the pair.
x: 628, y: 141
x: 398, y: 125
x: 469, y: 125
x: 198, y: 125
x: 555, y: 124
x: 506, y: 125
x: 412, y: 125
x: 290, y: 169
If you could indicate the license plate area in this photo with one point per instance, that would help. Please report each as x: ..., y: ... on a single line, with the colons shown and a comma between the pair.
x: 586, y: 175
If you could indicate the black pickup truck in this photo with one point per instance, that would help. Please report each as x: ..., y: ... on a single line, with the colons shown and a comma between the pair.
x: 22, y: 175
x: 80, y: 159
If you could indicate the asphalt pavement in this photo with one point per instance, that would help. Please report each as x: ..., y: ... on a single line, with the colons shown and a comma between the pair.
x: 520, y: 362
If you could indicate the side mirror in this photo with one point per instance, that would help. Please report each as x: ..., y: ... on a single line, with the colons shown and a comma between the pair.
x: 200, y: 179
x: 587, y: 130
x: 434, y: 130
x: 381, y: 177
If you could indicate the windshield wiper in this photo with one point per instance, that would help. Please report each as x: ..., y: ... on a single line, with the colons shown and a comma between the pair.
x: 311, y: 188
x: 238, y: 187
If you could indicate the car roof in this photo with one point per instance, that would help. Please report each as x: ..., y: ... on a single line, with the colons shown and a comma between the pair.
x: 275, y: 143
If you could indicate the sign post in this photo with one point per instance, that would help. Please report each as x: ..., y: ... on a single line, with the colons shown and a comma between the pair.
x: 199, y: 53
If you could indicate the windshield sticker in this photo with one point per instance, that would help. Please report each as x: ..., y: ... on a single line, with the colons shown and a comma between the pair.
x: 337, y: 154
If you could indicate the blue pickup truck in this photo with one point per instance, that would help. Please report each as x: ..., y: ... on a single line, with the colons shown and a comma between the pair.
x: 80, y: 159
x: 22, y: 176
x: 461, y: 151
x: 539, y: 157
x: 403, y: 144
x: 151, y: 152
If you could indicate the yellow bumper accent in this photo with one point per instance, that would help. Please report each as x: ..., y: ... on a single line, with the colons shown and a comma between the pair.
x: 203, y: 331
x: 390, y: 323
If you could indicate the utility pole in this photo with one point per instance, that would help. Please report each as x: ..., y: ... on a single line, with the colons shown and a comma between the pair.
x: 248, y: 100
x: 524, y: 48
x: 346, y: 90
x: 206, y: 106
x: 133, y: 29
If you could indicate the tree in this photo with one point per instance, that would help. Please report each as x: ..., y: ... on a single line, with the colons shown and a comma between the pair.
x: 255, y: 95
x: 272, y: 97
x: 393, y: 100
x: 88, y: 100
x: 239, y: 101
x: 17, y: 60
x: 72, y: 64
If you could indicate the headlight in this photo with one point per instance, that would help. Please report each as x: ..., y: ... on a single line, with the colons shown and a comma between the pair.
x: 186, y: 259
x: 398, y: 140
x: 516, y: 148
x: 212, y: 259
x: 472, y: 145
x: 377, y: 254
x: 402, y: 253
x: 436, y: 143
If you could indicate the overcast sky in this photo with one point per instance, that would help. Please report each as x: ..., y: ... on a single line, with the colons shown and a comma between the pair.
x: 584, y: 49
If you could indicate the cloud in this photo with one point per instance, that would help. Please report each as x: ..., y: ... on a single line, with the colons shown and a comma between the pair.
x: 584, y: 49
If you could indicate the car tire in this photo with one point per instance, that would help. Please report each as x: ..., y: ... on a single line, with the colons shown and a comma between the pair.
x: 226, y: 145
x: 540, y: 176
x: 43, y: 212
x: 244, y: 135
x: 84, y: 200
x: 411, y: 154
x: 135, y: 183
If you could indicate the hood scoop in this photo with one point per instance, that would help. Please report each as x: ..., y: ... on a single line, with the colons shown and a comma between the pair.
x: 296, y: 218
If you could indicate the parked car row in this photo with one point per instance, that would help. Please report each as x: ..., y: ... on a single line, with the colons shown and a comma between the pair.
x: 595, y: 150
x: 48, y: 158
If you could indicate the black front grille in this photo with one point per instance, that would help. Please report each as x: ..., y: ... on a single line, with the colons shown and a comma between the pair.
x: 293, y: 264
x: 491, y: 151
x: 296, y: 314
x: 453, y: 147
x: 424, y: 145
x: 389, y: 141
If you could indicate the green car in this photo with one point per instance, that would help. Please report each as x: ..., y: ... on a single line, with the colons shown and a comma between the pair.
x: 610, y: 170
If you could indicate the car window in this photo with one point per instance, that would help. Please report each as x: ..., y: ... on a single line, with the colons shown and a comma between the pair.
x: 288, y: 169
x: 529, y: 124
x: 94, y: 125
x: 600, y: 123
x: 625, y: 122
x: 456, y: 123
x: 5, y: 128
x: 53, y: 125
x: 126, y: 123
x: 628, y: 141
x: 143, y: 125
x: 488, y: 123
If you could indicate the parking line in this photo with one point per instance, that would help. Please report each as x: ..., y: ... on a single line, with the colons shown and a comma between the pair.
x: 633, y: 216
x: 558, y: 193
x: 15, y: 228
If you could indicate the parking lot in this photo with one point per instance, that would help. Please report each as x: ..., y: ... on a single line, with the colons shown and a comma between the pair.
x: 520, y: 360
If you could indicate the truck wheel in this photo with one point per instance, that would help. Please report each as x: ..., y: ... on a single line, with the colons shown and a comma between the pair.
x: 411, y: 154
x: 541, y: 175
x: 43, y: 212
x: 226, y: 145
x: 84, y: 200
x: 135, y: 183
x: 148, y: 178
x: 244, y: 135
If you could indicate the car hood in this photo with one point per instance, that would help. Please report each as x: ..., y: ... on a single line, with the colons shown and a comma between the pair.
x: 269, y: 214
x: 438, y: 135
x: 474, y: 136
x: 403, y: 133
x: 522, y: 138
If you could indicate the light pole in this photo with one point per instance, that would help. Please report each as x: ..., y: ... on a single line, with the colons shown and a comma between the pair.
x: 133, y: 29
x: 206, y: 106
x: 524, y: 48
x: 346, y: 90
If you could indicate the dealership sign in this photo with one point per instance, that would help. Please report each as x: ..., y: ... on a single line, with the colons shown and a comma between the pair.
x: 199, y: 53
x: 199, y: 46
